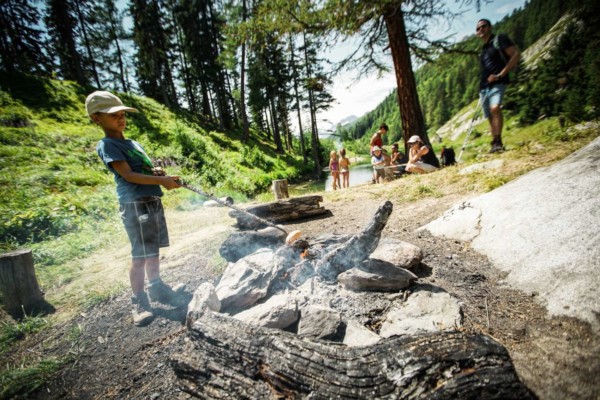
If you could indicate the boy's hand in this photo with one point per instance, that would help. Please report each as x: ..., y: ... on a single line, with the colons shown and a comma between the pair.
x: 171, y: 182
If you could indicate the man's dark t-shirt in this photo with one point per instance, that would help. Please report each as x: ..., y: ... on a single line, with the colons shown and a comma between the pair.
x: 492, y: 61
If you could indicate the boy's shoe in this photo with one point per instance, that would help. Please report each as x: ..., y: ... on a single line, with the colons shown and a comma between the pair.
x: 141, y: 310
x: 163, y: 293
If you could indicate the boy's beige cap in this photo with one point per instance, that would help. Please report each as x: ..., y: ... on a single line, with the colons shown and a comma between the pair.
x: 105, y: 102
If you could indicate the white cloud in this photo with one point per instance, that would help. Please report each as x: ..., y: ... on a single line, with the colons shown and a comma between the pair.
x: 358, y: 97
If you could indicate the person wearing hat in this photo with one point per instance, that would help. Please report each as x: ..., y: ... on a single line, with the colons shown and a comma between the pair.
x: 418, y: 150
x: 139, y: 194
x: 378, y: 163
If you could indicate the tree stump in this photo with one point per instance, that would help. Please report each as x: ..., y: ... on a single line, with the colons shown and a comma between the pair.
x: 228, y: 359
x: 280, y: 188
x: 18, y: 284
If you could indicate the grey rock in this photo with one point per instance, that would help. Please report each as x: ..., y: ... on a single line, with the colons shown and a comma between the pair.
x: 375, y: 275
x: 279, y: 312
x: 320, y: 323
x: 247, y: 281
x: 358, y: 336
x: 397, y: 252
x: 428, y: 309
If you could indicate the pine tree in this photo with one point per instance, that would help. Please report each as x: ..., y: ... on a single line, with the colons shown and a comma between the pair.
x: 62, y: 28
x: 153, y: 58
x: 108, y: 38
x: 21, y: 45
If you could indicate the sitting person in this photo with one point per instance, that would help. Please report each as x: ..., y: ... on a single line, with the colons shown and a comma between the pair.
x: 417, y: 151
x: 389, y: 170
x: 397, y: 155
x: 378, y: 162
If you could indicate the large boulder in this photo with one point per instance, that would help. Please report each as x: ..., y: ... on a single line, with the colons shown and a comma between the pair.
x: 544, y: 230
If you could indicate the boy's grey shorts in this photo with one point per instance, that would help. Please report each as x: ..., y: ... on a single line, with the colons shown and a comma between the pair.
x: 146, y: 226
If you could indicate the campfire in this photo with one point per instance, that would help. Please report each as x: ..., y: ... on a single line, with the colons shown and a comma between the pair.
x: 334, y: 317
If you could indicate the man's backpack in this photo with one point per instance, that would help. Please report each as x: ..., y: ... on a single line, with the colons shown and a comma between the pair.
x: 496, y: 44
x: 448, y: 157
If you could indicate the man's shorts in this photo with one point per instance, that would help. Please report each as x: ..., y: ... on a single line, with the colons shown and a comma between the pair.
x: 495, y: 94
x: 146, y: 226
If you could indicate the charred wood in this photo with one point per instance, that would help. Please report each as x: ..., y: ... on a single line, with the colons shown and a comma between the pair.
x: 352, y: 253
x: 228, y: 359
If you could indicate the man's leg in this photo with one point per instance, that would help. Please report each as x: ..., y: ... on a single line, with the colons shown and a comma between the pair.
x: 496, y: 122
x: 494, y: 114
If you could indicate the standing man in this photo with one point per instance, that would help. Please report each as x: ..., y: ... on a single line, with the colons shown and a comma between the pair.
x: 498, y: 57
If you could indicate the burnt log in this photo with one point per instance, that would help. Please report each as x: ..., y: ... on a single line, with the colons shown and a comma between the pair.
x: 228, y: 359
x: 352, y: 253
x: 280, y: 211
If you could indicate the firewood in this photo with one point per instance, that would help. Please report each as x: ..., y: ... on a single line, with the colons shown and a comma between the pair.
x: 228, y: 359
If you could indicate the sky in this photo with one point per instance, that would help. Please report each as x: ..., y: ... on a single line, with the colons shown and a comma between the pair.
x: 359, y: 97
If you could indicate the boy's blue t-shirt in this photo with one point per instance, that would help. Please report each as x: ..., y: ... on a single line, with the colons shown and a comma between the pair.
x: 110, y: 150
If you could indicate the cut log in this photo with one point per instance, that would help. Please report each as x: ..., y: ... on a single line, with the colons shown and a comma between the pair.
x: 21, y: 293
x: 280, y: 211
x: 228, y: 359
x: 280, y: 189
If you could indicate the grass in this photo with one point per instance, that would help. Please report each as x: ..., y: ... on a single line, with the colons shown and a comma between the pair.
x: 60, y: 201
x: 10, y: 332
x: 20, y: 381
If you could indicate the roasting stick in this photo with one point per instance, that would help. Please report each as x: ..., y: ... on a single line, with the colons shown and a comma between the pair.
x: 291, y: 236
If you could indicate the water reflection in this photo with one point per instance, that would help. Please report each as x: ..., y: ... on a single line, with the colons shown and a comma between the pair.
x: 359, y: 174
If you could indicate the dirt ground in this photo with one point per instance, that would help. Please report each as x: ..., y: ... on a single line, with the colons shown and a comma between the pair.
x: 558, y: 358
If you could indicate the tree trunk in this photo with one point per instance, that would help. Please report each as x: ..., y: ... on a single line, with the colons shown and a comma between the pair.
x: 18, y: 284
x: 228, y: 359
x: 297, y: 96
x: 411, y: 115
x: 245, y: 125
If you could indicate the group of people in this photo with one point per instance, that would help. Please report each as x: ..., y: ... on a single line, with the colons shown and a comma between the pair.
x: 339, y: 167
x: 139, y: 185
x: 420, y: 160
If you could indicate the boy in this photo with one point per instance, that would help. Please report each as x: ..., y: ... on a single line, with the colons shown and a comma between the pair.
x: 139, y: 192
x: 378, y: 163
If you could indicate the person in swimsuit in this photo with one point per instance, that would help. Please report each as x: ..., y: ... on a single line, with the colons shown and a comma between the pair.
x: 344, y: 168
x: 334, y: 168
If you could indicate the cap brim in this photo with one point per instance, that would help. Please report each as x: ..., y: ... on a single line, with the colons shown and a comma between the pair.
x: 111, y: 110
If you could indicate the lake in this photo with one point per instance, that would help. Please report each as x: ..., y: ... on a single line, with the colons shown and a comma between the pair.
x: 359, y: 174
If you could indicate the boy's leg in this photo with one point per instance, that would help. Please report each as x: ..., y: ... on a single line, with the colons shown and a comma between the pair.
x: 141, y: 308
x: 157, y: 289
